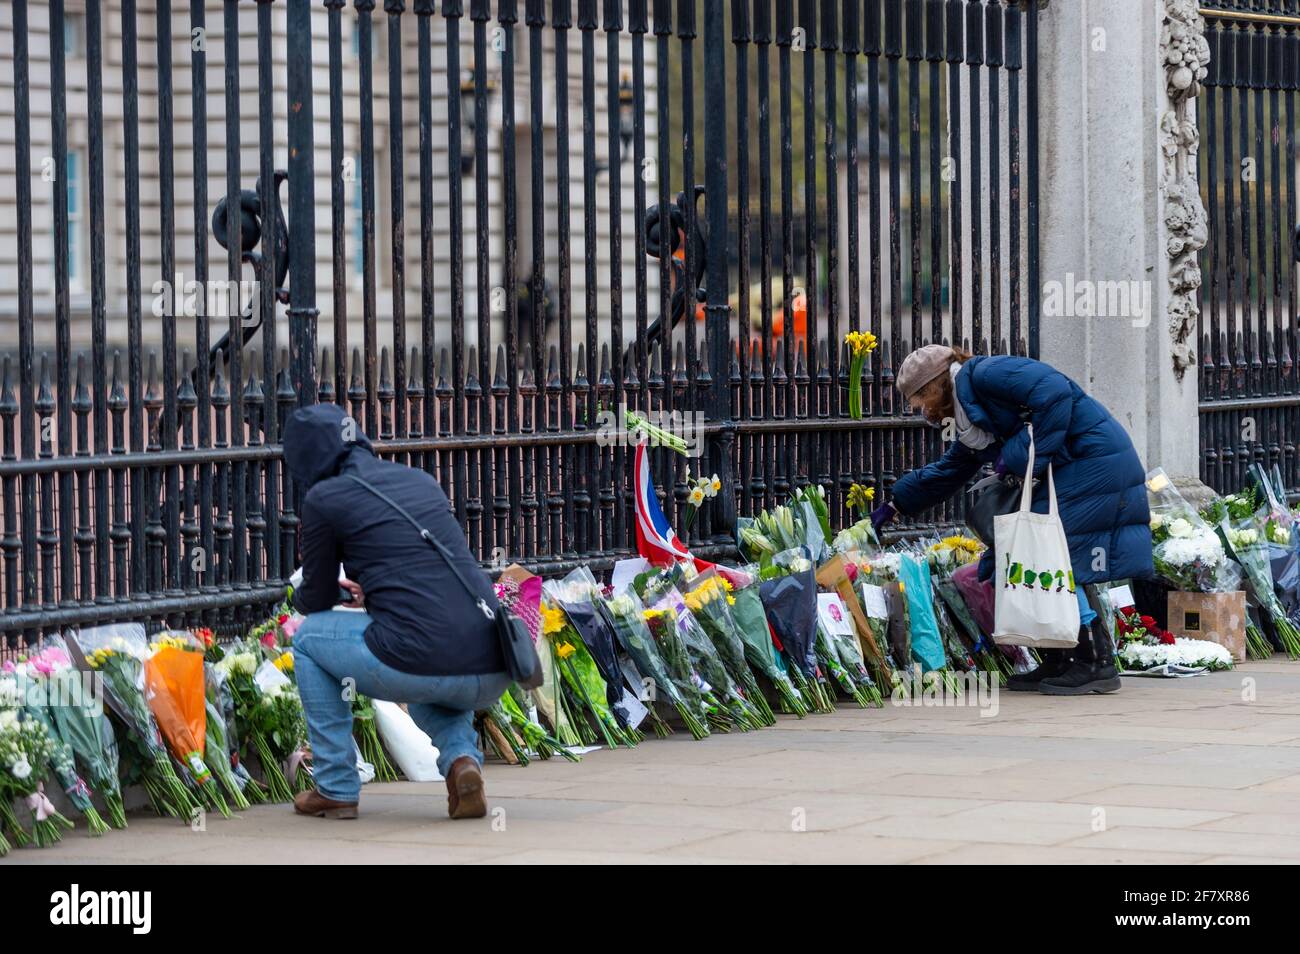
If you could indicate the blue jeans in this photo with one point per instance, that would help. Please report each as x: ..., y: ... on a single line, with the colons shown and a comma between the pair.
x: 1086, y: 613
x: 333, y: 663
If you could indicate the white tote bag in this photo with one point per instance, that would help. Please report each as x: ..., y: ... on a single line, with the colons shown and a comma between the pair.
x: 1036, y: 603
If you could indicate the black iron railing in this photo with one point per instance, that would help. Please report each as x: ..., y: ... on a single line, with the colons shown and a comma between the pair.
x: 840, y: 166
x: 1249, y: 377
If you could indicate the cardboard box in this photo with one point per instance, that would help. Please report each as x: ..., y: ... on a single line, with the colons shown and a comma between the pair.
x: 1217, y: 617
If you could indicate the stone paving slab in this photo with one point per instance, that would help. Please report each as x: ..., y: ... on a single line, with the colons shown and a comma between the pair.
x: 1194, y: 771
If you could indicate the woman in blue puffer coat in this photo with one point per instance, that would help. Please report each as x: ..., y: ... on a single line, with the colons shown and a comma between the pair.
x: 1100, y: 482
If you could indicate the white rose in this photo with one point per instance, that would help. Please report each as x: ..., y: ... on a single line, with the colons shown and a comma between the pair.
x: 1180, y: 527
x: 1157, y: 521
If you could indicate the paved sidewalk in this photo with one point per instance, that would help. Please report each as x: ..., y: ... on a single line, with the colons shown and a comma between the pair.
x: 1182, y: 771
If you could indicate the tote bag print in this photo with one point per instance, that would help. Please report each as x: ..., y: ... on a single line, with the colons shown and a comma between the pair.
x: 1036, y: 602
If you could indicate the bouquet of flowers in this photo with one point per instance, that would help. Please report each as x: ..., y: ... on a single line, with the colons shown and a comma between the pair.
x: 586, y: 689
x: 987, y: 656
x: 1187, y: 552
x: 26, y: 752
x: 862, y: 534
x: 79, y: 720
x: 527, y: 728
x: 705, y: 712
x: 720, y: 689
x: 860, y: 344
x: 265, y: 719
x: 216, y: 747
x: 175, y: 690
x: 578, y: 595
x: 760, y: 651
x: 828, y: 658
x: 786, y: 527
x: 951, y: 552
x: 222, y: 751
x: 367, y: 736
x: 709, y: 599
x: 788, y: 589
x: 35, y: 678
x: 118, y: 653
x: 627, y: 615
x: 1144, y: 645
x: 1253, y: 554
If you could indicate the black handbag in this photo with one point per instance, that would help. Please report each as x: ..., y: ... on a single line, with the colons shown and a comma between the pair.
x: 522, y: 663
x: 991, y: 497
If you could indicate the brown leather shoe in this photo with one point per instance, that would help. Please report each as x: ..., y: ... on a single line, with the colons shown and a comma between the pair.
x: 465, y: 795
x: 312, y: 802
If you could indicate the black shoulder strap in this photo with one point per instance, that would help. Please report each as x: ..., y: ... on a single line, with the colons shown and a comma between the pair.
x: 428, y: 538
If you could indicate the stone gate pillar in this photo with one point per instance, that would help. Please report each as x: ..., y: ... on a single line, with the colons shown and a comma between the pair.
x: 1121, y: 213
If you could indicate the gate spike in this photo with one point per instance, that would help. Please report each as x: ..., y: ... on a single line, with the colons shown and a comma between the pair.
x: 580, y: 368
x: 220, y: 391
x: 414, y: 386
x: 80, y: 392
x: 185, y: 393
x: 529, y: 380
x: 499, y: 372
x: 553, y: 369
x: 8, y: 402
x: 444, y: 362
x: 151, y: 395
x: 325, y: 386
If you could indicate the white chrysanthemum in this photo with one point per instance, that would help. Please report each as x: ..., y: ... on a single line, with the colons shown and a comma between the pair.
x: 1183, y: 652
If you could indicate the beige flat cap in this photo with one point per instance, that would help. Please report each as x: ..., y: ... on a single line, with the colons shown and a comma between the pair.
x: 921, y: 367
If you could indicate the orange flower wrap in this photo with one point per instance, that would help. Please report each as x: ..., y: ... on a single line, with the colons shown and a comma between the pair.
x: 173, y: 681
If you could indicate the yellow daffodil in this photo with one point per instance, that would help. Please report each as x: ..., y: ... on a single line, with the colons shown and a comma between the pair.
x: 565, y: 650
x: 553, y: 619
x: 860, y: 497
x: 860, y: 343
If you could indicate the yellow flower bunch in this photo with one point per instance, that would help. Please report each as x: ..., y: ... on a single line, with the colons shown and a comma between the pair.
x: 715, y: 587
x: 171, y: 642
x: 553, y: 619
x: 100, y: 656
x: 653, y: 614
x: 860, y: 497
x: 959, y: 542
x: 860, y: 343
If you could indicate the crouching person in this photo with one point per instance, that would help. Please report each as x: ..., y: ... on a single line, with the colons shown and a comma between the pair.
x: 422, y: 639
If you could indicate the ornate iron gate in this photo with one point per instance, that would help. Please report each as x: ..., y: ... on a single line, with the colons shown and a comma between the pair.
x: 863, y: 166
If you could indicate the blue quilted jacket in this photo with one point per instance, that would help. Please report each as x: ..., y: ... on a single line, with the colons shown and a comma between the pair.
x: 1100, y: 483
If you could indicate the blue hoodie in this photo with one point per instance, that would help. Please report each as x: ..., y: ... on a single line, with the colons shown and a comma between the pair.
x: 423, y: 620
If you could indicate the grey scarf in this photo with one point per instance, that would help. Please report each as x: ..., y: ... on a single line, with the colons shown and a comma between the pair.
x: 967, y: 433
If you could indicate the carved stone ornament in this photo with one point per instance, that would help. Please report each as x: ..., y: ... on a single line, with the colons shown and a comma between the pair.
x: 1185, y: 54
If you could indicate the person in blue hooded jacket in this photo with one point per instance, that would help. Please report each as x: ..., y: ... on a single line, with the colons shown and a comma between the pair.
x: 422, y: 639
x: 1100, y: 482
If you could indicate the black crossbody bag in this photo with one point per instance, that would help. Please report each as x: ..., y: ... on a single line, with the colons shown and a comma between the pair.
x: 522, y: 664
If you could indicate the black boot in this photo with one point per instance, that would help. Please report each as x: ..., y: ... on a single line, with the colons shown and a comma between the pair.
x: 1093, y: 669
x: 1053, y: 662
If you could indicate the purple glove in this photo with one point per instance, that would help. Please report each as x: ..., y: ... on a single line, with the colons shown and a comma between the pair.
x: 1000, y: 466
x: 881, y: 516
